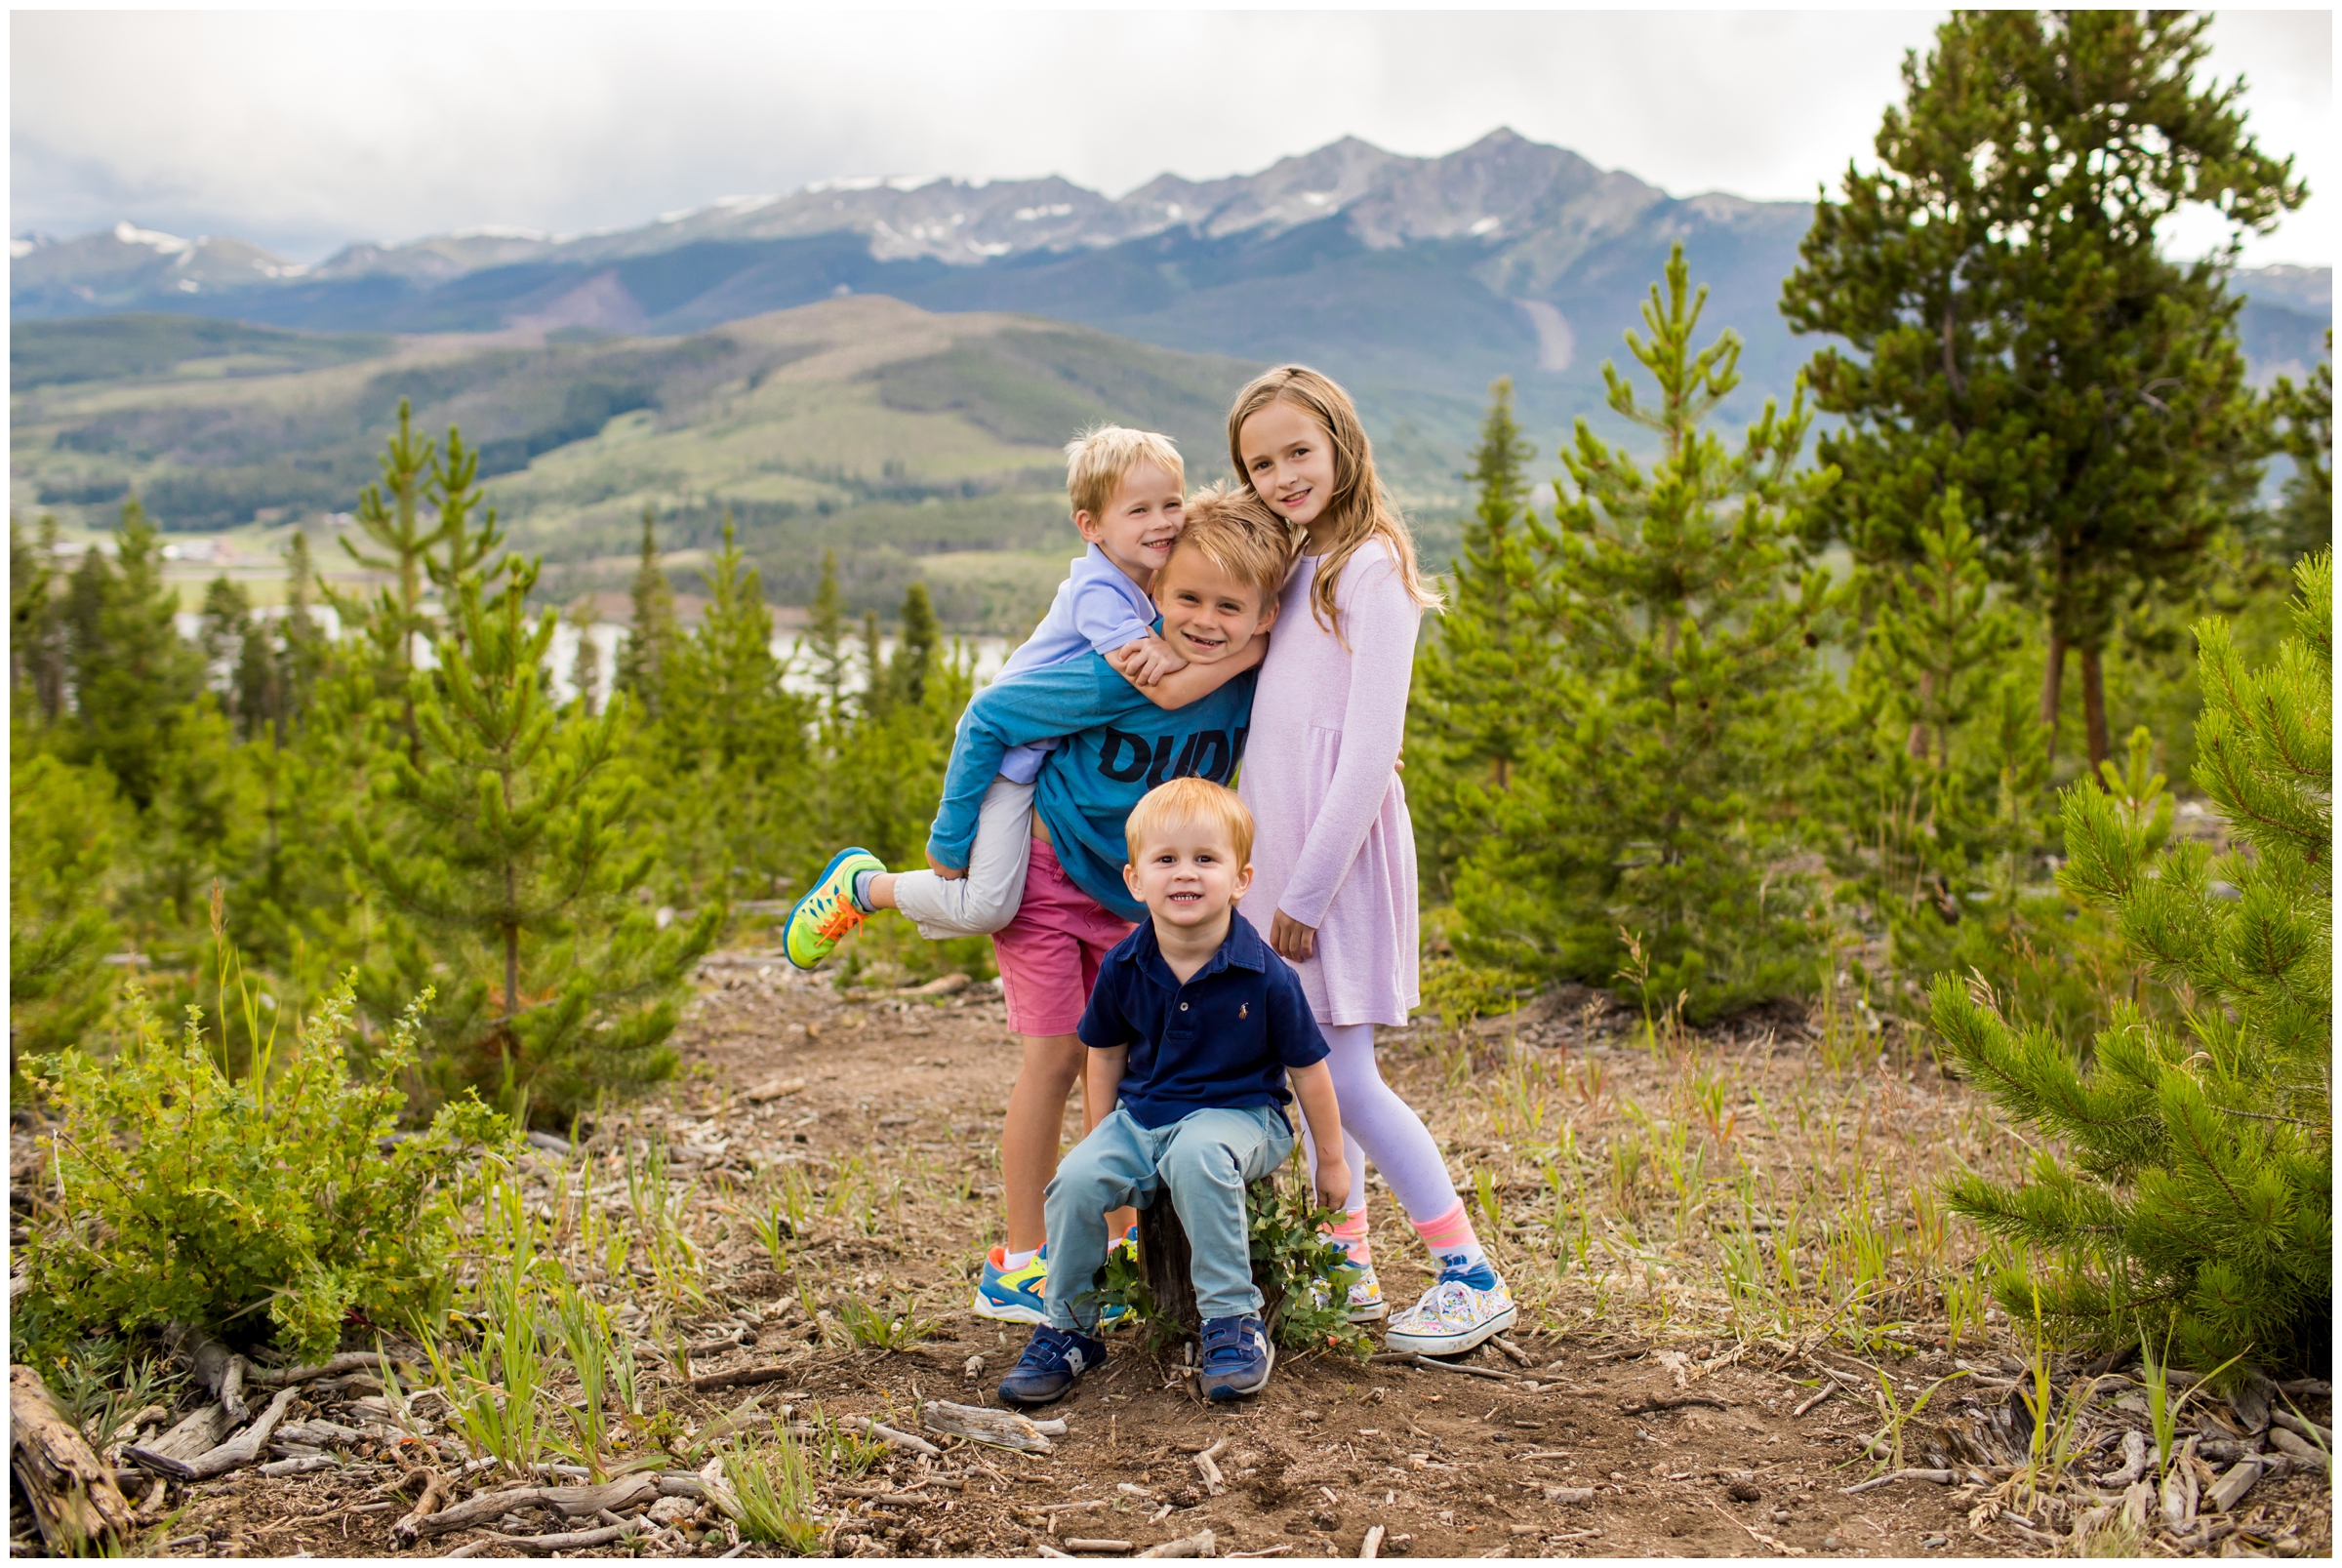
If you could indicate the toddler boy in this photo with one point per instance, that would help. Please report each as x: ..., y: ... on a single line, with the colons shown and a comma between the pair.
x: 1125, y: 488
x: 1197, y: 1027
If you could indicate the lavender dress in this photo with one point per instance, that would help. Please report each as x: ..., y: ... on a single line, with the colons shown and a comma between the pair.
x: 1333, y: 845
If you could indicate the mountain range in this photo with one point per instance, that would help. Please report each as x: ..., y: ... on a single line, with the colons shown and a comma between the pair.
x: 1417, y: 280
x: 730, y: 360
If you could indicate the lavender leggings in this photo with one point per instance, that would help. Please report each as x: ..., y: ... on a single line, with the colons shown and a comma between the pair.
x: 1379, y: 1126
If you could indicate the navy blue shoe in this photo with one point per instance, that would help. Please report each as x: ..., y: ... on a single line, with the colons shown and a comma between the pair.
x: 1237, y: 1357
x: 1053, y: 1362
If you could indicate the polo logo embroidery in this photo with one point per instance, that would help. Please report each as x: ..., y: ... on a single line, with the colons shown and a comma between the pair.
x: 1243, y: 1010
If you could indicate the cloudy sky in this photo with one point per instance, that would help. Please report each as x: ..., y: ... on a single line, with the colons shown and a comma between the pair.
x: 304, y: 131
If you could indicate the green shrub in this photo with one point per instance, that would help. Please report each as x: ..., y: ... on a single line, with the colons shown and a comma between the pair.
x: 2191, y: 1202
x: 1305, y: 1273
x: 178, y: 1193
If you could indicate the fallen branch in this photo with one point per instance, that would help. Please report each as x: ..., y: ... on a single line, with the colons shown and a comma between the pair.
x: 1939, y: 1477
x: 234, y: 1453
x: 302, y: 1465
x: 1080, y: 1544
x: 342, y: 1365
x: 1002, y: 1428
x: 907, y: 1441
x: 1372, y: 1546
x: 1430, y: 1365
x: 1521, y: 1357
x: 1781, y: 1548
x: 73, y: 1498
x: 435, y: 1491
x: 1829, y: 1387
x: 746, y: 1378
x: 1205, y: 1464
x: 1679, y: 1402
x: 570, y: 1500
x: 566, y: 1541
x: 1201, y: 1544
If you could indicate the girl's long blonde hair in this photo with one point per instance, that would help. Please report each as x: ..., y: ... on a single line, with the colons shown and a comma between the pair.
x: 1358, y: 507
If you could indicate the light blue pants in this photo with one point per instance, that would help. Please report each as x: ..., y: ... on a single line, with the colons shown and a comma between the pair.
x: 1203, y: 1160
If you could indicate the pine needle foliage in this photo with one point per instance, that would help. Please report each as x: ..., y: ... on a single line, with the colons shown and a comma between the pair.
x: 514, y: 848
x: 1487, y: 648
x: 2193, y: 1197
x: 1649, y: 808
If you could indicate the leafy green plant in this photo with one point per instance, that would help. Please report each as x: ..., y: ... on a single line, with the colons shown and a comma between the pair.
x: 775, y: 1230
x: 181, y: 1197
x: 775, y: 1491
x: 1303, y: 1270
x: 1303, y: 1274
x: 880, y: 1330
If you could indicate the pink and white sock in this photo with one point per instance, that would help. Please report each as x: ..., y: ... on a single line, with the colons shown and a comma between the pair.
x: 1451, y: 1239
x: 1352, y: 1233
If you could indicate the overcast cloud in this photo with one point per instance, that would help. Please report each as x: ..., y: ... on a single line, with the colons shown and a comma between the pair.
x: 304, y: 131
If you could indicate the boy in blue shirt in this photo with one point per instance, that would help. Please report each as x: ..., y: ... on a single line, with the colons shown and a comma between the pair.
x: 1125, y: 488
x: 1217, y: 594
x: 1197, y: 1029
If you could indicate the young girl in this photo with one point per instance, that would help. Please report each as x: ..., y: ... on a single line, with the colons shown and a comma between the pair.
x: 1334, y: 858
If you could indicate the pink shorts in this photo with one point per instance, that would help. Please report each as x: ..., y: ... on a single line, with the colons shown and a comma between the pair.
x: 1049, y: 954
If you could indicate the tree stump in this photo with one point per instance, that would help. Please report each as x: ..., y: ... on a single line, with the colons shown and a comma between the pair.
x: 74, y: 1496
x: 1164, y: 1254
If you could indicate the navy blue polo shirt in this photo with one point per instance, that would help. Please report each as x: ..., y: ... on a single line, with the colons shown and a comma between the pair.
x: 1223, y: 1039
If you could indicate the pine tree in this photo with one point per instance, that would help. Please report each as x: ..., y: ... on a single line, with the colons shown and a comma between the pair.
x: 1481, y: 674
x: 651, y: 634
x: 916, y: 655
x: 517, y: 866
x: 2012, y: 328
x: 1683, y: 623
x: 825, y: 640
x: 37, y: 644
x: 2192, y: 1202
x: 130, y: 671
x: 64, y: 826
x: 733, y: 742
x: 585, y: 662
x: 396, y: 526
x: 301, y: 648
x: 2305, y: 520
x: 463, y: 550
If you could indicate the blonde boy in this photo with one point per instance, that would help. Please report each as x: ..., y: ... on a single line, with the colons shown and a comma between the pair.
x: 1197, y: 1029
x: 1125, y: 490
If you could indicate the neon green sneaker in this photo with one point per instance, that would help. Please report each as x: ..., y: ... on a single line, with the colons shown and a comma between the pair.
x: 828, y: 913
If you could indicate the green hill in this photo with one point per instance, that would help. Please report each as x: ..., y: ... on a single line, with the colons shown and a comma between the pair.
x: 915, y: 445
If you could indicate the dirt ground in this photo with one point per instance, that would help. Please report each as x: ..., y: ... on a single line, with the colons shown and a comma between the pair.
x: 1641, y: 1425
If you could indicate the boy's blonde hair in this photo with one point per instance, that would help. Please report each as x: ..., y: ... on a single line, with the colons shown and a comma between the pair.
x: 1187, y: 800
x: 1235, y: 530
x: 1097, y: 458
x: 1359, y: 509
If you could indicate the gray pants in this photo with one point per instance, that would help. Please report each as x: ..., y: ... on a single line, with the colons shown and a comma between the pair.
x: 987, y: 899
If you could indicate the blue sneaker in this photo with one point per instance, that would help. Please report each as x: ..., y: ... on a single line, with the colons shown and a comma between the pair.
x: 1237, y: 1357
x: 1053, y: 1362
x: 1013, y: 1296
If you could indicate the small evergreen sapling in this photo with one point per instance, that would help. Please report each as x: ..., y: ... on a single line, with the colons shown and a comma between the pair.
x: 1682, y: 618
x: 651, y: 632
x: 1480, y: 677
x: 517, y: 858
x: 2193, y: 1198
